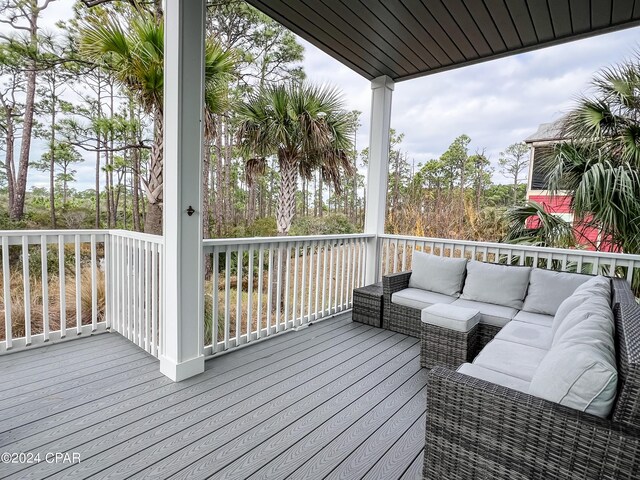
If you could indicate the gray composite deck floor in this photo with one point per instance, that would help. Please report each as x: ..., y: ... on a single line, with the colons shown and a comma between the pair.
x: 335, y: 400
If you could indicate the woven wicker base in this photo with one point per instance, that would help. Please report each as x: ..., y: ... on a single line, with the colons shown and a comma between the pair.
x: 405, y: 320
x: 485, y: 335
x: 367, y: 305
x: 447, y: 348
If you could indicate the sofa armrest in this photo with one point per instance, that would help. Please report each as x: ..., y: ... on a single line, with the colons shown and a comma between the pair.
x: 477, y: 429
x: 621, y: 292
x: 394, y: 283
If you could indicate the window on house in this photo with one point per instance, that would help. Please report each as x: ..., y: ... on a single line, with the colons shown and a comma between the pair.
x: 539, y: 170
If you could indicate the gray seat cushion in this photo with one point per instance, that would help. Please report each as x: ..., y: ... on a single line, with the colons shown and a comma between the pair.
x: 535, y: 318
x: 451, y: 317
x: 527, y: 334
x: 548, y: 289
x: 497, y: 284
x: 511, y: 358
x: 437, y: 274
x: 417, y: 298
x: 493, y: 376
x: 496, y: 315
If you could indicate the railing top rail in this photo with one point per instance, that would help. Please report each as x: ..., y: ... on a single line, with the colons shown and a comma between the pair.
x: 31, y: 233
x: 148, y: 237
x: 213, y: 242
x: 35, y: 235
x: 525, y: 248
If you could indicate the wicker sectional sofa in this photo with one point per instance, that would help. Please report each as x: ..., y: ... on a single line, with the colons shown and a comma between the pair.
x: 477, y: 428
x: 501, y: 293
x: 553, y: 389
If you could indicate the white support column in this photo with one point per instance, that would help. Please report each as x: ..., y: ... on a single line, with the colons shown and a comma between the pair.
x: 183, y: 354
x: 378, y: 171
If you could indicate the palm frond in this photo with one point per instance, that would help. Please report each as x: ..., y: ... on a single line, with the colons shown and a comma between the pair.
x: 530, y: 224
x: 300, y: 121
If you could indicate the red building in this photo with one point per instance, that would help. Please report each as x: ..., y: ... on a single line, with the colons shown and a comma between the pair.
x: 541, y: 144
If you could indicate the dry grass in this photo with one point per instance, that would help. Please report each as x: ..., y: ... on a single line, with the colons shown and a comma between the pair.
x: 36, y: 301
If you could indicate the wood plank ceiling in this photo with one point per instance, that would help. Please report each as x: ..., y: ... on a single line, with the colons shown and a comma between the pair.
x: 410, y: 38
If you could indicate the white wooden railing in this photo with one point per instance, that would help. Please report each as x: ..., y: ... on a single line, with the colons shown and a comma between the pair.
x: 53, y: 286
x: 59, y: 285
x: 135, y: 288
x: 398, y: 249
x: 258, y: 287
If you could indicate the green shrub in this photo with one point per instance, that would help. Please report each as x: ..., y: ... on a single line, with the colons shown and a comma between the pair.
x: 334, y: 224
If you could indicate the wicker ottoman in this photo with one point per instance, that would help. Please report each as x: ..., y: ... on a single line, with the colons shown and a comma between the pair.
x: 449, y: 335
x: 367, y: 305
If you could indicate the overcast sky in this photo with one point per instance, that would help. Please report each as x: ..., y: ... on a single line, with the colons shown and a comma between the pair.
x: 496, y: 103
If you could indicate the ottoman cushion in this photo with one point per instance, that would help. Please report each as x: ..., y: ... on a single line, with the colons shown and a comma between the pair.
x: 458, y: 319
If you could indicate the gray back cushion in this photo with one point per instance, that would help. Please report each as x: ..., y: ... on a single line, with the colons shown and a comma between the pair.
x: 579, y: 370
x: 437, y: 274
x: 579, y: 376
x: 498, y: 284
x: 548, y: 289
x: 596, y: 291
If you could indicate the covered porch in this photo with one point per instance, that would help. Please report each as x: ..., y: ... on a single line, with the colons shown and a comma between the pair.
x: 272, y: 379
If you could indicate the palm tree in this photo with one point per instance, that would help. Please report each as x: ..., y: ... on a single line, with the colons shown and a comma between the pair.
x: 599, y: 166
x: 135, y: 56
x: 307, y: 127
x: 530, y: 224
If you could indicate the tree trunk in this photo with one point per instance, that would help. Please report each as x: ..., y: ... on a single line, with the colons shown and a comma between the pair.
x: 206, y: 213
x: 108, y: 187
x: 251, y: 208
x: 9, y: 157
x: 462, y: 180
x: 287, y: 197
x: 124, y: 199
x: 219, y: 184
x: 135, y: 160
x: 320, y: 197
x: 17, y: 210
x: 111, y: 194
x: 230, y: 186
x: 52, y: 160
x: 354, y: 186
x: 270, y: 201
x: 52, y: 193
x: 153, y: 221
x: 135, y: 154
x: 99, y: 114
x: 206, y: 165
x: 64, y: 188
